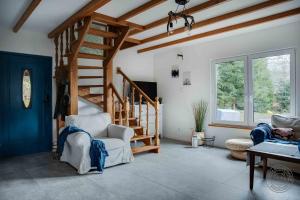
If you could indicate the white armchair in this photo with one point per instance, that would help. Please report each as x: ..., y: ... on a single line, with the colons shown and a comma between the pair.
x: 115, y: 137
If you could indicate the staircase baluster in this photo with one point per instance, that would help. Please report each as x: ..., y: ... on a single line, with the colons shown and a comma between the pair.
x: 61, y: 50
x: 56, y: 51
x: 157, y: 142
x: 113, y: 108
x: 140, y: 109
x: 132, y: 102
x: 67, y: 51
x: 147, y: 119
x: 120, y: 113
x: 72, y: 36
x: 126, y: 111
x: 124, y: 83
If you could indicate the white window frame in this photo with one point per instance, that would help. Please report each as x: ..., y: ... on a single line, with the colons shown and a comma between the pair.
x: 291, y: 52
x: 248, y: 90
x: 214, y: 90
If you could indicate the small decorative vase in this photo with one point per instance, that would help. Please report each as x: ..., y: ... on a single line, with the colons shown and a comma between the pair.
x: 200, y: 136
x: 194, y: 141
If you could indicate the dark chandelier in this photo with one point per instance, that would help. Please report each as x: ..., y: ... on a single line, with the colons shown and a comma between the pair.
x: 188, y: 19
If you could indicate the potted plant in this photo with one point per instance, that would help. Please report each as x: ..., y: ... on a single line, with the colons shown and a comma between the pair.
x: 199, y: 111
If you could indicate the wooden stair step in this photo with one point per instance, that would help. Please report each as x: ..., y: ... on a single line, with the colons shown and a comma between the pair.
x: 141, y: 137
x: 130, y: 118
x: 89, y: 77
x: 136, y: 127
x: 90, y: 56
x: 145, y: 148
x: 91, y: 95
x: 89, y: 86
x: 88, y: 67
x: 93, y: 45
x: 98, y: 32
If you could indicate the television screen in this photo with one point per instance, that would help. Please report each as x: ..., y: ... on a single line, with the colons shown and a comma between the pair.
x: 150, y: 88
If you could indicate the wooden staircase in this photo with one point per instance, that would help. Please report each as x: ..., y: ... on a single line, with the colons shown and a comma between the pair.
x: 84, y: 54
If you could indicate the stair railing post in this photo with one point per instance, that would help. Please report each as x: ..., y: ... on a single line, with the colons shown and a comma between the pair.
x: 126, y: 111
x: 157, y: 141
x: 124, y: 85
x: 140, y: 109
x: 132, y: 102
x: 147, y: 119
x: 67, y: 51
x: 113, y: 109
x: 61, y: 49
x: 120, y: 113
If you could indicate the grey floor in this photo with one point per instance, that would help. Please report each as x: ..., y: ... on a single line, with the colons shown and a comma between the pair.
x: 176, y: 173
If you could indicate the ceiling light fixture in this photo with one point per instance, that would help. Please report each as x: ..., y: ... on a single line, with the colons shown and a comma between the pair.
x: 188, y: 19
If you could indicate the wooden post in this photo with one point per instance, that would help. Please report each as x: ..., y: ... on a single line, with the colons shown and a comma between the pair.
x: 113, y: 109
x: 120, y: 114
x: 107, y: 80
x: 147, y: 119
x: 56, y: 51
x: 132, y: 102
x: 157, y: 142
x: 61, y: 50
x: 67, y: 51
x: 140, y: 109
x: 126, y: 111
x: 72, y: 35
x: 124, y: 84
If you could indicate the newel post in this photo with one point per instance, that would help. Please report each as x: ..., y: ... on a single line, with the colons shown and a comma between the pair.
x: 157, y: 141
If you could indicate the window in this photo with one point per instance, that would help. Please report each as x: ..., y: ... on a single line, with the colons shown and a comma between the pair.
x: 26, y: 88
x: 230, y: 90
x: 249, y: 89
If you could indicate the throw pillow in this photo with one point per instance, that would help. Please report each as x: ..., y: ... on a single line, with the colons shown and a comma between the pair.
x: 283, y: 133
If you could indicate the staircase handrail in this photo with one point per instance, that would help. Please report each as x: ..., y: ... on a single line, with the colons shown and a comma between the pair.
x: 119, y: 71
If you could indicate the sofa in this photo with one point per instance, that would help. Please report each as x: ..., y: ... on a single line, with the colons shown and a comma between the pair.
x: 279, y: 121
x: 115, y: 137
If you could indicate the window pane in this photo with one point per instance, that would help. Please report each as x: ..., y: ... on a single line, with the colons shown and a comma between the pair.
x: 26, y: 87
x: 230, y: 91
x: 271, y: 87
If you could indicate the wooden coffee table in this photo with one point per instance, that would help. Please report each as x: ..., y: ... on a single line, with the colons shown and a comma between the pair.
x: 276, y: 151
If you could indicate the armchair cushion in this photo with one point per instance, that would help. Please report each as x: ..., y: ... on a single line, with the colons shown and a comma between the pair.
x: 122, y: 132
x: 95, y: 124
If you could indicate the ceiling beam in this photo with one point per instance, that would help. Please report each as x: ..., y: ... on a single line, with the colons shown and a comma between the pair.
x: 202, y: 6
x: 219, y: 18
x: 29, y: 10
x: 281, y: 15
x: 140, y: 9
x: 114, y: 21
x: 134, y: 41
x: 88, y: 9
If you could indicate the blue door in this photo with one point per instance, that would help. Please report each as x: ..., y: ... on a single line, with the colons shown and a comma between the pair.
x: 25, y: 104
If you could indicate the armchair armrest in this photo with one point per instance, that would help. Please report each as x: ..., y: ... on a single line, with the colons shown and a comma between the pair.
x: 122, y: 132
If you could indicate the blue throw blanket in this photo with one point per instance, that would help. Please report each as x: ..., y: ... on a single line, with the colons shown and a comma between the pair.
x: 98, y: 152
x: 263, y: 132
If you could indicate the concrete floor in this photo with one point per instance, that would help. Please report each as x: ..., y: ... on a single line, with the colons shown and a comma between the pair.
x: 177, y: 173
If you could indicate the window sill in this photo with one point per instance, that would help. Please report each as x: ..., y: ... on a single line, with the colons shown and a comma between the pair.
x: 231, y: 126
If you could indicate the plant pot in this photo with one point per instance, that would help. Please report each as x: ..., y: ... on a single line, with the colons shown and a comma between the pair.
x: 200, y: 136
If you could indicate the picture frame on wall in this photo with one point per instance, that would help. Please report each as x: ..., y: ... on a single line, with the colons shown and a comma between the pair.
x: 175, y: 71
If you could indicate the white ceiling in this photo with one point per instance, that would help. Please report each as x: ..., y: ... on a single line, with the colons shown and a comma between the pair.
x: 50, y: 13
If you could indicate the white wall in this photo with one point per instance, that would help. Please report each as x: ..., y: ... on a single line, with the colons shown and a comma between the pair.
x: 177, y: 99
